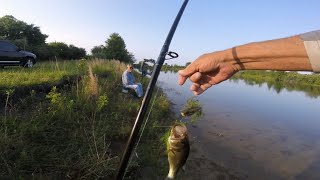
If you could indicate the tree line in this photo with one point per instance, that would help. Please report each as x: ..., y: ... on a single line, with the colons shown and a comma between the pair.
x: 29, y: 37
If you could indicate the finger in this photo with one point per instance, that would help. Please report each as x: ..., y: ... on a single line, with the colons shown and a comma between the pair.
x: 181, y: 79
x: 202, y: 88
x: 189, y: 70
x: 194, y: 87
x: 185, y: 73
x: 195, y: 77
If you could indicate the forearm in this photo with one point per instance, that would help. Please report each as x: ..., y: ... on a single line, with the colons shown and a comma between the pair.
x: 280, y: 54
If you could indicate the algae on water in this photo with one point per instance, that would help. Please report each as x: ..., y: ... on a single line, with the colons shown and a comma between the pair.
x: 193, y: 110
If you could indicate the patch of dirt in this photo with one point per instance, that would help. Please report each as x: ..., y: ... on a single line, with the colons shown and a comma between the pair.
x: 23, y: 91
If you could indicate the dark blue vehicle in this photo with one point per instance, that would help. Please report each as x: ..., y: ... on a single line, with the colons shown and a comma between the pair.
x: 11, y: 55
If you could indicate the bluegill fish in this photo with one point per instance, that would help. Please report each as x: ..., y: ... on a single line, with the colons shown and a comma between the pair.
x: 178, y: 149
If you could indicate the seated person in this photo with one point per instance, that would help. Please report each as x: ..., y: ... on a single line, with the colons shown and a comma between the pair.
x: 128, y: 81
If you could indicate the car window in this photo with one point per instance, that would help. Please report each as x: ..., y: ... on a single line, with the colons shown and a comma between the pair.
x: 4, y: 46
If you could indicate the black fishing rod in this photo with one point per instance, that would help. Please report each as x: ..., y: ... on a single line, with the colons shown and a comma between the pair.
x: 146, y: 99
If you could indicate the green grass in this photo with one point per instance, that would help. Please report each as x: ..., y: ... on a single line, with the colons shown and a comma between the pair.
x: 41, y: 73
x: 73, y: 132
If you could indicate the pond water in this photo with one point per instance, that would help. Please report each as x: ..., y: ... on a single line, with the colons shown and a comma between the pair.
x: 252, y: 131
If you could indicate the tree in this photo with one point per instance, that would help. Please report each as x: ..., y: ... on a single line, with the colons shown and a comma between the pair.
x: 26, y: 36
x: 63, y: 51
x: 29, y: 37
x: 43, y: 51
x: 13, y: 29
x: 60, y: 49
x: 76, y: 53
x: 115, y: 48
x: 98, y: 52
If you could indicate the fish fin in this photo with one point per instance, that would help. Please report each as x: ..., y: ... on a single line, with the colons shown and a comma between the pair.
x: 171, y: 150
x: 171, y: 174
x: 168, y: 178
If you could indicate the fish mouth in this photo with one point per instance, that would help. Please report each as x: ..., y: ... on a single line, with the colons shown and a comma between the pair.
x: 178, y: 131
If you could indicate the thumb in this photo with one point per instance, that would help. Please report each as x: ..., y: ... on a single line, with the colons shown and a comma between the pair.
x: 184, y: 74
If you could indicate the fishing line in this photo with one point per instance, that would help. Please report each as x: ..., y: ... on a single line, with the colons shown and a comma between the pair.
x: 147, y: 119
x: 145, y: 123
x: 180, y: 119
x: 147, y: 97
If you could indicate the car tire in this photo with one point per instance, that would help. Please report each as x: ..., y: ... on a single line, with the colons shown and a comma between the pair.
x: 29, y: 63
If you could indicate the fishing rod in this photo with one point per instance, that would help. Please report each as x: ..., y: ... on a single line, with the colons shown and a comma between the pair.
x: 146, y: 99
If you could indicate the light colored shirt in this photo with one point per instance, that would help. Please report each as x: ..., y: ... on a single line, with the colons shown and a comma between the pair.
x: 311, y: 42
x: 128, y: 78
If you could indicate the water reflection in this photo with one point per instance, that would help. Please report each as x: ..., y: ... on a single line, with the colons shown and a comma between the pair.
x: 277, y: 86
x: 261, y: 130
x: 310, y: 91
x: 169, y: 70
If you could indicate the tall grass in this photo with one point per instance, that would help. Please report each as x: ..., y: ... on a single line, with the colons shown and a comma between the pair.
x: 72, y: 132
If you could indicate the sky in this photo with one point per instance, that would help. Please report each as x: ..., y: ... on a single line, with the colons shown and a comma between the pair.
x: 206, y: 25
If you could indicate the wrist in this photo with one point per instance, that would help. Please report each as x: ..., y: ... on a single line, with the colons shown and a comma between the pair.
x: 286, y: 54
x: 230, y: 57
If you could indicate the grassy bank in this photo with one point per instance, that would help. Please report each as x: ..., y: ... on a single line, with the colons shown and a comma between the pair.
x: 41, y: 73
x: 292, y: 81
x: 72, y: 131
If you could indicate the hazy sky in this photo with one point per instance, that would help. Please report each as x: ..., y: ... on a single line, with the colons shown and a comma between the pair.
x: 206, y: 25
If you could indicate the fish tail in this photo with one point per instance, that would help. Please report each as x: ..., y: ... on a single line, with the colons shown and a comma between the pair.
x: 171, y: 174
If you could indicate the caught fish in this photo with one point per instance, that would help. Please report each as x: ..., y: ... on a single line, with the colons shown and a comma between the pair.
x: 178, y: 149
x: 190, y: 111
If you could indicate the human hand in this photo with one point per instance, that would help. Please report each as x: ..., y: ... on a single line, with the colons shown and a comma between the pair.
x: 208, y: 70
